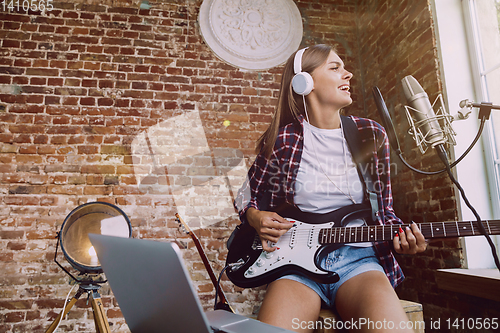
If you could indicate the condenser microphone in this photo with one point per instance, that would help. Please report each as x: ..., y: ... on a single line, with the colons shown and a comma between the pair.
x: 424, y: 122
x: 421, y: 110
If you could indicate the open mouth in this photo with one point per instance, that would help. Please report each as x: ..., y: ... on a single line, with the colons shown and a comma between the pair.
x: 345, y: 88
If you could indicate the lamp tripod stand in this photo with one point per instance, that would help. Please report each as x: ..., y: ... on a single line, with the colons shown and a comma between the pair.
x: 89, y: 218
x: 100, y: 319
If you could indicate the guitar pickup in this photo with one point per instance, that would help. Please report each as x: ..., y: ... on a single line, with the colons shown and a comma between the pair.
x: 293, y: 235
x: 257, y: 244
x: 310, y: 240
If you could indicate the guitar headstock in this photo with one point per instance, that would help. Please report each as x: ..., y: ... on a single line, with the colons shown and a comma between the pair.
x: 182, y: 224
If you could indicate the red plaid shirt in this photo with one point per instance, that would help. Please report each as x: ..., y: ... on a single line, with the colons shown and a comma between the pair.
x: 278, y: 174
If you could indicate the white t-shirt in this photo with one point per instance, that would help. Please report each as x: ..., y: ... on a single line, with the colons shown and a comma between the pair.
x: 326, y: 151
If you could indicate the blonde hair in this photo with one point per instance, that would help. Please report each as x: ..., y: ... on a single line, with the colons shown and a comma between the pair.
x: 290, y: 105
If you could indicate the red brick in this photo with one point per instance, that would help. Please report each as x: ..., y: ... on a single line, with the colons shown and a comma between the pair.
x: 16, y: 304
x: 98, y: 169
x: 55, y: 82
x: 11, y: 234
x: 26, y: 108
x: 87, y: 101
x: 190, y: 63
x: 114, y: 313
x: 14, y: 316
x: 97, y: 190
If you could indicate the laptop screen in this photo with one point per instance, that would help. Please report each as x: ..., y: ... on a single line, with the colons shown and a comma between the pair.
x: 151, y: 285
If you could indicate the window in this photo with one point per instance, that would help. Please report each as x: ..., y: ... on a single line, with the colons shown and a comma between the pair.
x: 468, y: 42
x: 484, y: 40
x: 483, y: 37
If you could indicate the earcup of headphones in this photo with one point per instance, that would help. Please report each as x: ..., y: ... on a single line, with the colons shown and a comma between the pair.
x: 302, y: 83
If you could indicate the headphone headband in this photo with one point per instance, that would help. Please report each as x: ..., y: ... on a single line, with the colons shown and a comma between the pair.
x: 297, y: 62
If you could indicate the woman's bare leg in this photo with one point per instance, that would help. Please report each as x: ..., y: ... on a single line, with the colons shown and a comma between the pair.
x: 290, y: 304
x: 370, y: 298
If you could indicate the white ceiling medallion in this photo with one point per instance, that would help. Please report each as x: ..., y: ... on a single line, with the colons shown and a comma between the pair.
x: 251, y: 34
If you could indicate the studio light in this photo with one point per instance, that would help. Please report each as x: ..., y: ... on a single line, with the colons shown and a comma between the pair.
x: 91, y: 218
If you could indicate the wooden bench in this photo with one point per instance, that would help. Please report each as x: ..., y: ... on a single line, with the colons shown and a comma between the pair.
x: 413, y: 310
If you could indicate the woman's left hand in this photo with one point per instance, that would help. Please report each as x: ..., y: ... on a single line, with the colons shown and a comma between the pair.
x: 410, y: 240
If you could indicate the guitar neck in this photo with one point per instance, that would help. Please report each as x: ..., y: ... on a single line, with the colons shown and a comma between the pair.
x: 223, y: 304
x: 379, y: 233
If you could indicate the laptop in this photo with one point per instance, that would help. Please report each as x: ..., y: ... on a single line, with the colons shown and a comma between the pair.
x: 154, y: 291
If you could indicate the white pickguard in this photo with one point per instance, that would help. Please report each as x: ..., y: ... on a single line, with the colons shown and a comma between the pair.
x: 296, y: 247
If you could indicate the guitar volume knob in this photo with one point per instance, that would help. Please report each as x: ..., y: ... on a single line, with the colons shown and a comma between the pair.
x: 260, y: 262
x: 269, y: 255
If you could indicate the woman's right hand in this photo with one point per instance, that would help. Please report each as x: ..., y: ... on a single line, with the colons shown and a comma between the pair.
x: 269, y: 226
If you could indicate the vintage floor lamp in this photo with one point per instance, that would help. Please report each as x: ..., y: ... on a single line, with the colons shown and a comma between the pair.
x: 90, y: 218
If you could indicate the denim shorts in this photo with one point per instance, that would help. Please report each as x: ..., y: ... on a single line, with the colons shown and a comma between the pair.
x: 347, y: 262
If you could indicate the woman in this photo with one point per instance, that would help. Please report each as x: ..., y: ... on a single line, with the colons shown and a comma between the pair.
x: 304, y: 161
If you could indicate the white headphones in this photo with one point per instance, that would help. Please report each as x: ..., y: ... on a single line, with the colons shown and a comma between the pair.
x: 302, y: 82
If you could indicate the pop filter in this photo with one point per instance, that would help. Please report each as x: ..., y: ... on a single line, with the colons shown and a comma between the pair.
x: 386, y: 120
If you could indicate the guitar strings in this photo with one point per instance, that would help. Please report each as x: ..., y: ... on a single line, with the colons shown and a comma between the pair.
x: 439, y: 229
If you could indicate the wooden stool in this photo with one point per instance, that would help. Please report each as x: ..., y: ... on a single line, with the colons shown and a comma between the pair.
x: 414, y: 311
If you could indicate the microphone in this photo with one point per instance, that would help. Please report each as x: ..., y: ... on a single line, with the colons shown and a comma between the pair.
x: 392, y: 137
x: 425, y: 124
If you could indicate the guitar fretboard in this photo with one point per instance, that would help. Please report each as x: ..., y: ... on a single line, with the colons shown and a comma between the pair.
x: 386, y: 232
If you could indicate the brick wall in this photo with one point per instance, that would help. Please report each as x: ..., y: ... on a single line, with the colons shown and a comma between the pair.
x: 101, y: 100
x: 95, y: 96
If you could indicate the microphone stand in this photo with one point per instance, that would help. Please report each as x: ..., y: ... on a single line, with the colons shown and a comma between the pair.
x: 484, y: 114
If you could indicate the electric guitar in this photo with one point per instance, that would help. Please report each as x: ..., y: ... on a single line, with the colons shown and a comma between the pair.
x: 223, y: 303
x: 300, y: 249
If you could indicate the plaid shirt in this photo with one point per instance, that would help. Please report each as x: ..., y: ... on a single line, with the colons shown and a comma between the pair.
x: 278, y: 174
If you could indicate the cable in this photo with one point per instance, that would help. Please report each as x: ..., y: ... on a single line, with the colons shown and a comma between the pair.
x: 444, y: 157
x: 218, y: 285
x: 64, y: 307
